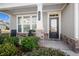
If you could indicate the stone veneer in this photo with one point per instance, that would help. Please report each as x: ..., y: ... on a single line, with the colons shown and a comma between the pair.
x: 40, y: 33
x: 22, y: 34
x: 45, y: 35
x: 73, y: 44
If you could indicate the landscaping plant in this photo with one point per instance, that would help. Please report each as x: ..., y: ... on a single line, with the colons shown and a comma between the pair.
x: 11, y: 46
x: 1, y: 39
x: 30, y: 43
x: 46, y: 52
x: 7, y: 49
x: 13, y: 40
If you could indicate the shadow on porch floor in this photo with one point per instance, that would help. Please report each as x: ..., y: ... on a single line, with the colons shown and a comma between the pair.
x: 58, y: 45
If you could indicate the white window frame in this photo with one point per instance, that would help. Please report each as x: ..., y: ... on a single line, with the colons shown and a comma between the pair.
x: 22, y: 23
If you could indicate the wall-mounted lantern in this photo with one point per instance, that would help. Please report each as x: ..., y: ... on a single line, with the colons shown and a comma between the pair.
x: 39, y: 15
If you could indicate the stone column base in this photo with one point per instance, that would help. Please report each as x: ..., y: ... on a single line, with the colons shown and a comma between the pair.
x: 72, y: 43
x: 45, y: 35
x: 40, y: 34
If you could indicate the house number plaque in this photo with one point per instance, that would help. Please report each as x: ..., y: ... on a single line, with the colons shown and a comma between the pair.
x: 39, y: 15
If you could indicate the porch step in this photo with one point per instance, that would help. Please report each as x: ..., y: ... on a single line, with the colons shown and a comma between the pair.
x: 54, y: 39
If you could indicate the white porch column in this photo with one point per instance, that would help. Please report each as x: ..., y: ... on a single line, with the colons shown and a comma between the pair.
x: 39, y: 30
x: 76, y: 20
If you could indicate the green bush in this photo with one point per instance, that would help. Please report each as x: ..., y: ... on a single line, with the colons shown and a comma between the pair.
x: 13, y: 40
x: 7, y: 49
x: 46, y: 52
x: 1, y: 39
x: 16, y: 40
x: 30, y: 42
x: 4, y: 38
x: 5, y: 35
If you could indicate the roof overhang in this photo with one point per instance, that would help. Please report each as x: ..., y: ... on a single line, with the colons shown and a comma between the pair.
x: 28, y: 7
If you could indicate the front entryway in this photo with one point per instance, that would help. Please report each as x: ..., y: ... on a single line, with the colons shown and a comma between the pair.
x: 53, y: 27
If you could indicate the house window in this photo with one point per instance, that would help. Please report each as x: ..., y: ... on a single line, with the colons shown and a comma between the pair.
x: 19, y: 20
x: 19, y: 24
x: 26, y: 23
x: 26, y: 28
x: 19, y: 28
x: 33, y: 22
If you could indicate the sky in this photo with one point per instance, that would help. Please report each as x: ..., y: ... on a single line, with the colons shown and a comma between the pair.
x: 4, y: 17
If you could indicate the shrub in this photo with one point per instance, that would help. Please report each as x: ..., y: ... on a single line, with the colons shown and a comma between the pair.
x: 4, y: 35
x: 13, y: 40
x: 7, y: 49
x: 7, y: 38
x: 1, y: 39
x: 46, y: 52
x: 30, y: 43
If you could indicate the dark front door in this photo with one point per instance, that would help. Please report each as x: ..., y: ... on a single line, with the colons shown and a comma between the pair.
x: 53, y: 28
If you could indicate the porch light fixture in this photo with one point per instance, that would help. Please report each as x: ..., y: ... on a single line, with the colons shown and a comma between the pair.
x: 39, y: 15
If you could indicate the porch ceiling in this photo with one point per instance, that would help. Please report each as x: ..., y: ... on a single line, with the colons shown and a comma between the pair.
x: 11, y: 5
x: 20, y: 7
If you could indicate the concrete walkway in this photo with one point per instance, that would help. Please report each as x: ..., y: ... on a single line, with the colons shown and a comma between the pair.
x: 58, y: 45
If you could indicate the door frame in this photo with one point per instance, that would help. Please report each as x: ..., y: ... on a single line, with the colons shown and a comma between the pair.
x: 59, y: 13
x: 56, y: 23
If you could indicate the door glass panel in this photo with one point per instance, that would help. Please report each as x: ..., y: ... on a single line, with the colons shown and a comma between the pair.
x: 53, y: 25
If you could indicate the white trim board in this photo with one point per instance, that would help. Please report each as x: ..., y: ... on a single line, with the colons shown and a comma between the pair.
x: 76, y: 19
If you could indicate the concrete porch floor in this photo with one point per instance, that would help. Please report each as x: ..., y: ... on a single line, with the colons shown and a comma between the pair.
x: 58, y: 45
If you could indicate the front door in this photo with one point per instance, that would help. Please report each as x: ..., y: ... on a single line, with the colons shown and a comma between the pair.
x: 53, y: 28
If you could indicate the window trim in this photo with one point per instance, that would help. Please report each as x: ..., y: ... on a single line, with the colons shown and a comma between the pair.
x: 22, y: 23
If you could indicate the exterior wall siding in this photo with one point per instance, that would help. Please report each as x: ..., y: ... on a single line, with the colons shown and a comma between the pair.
x: 13, y: 22
x: 67, y: 21
x: 68, y: 28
